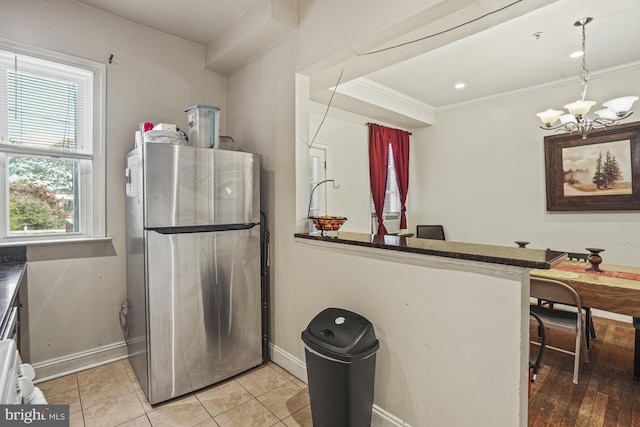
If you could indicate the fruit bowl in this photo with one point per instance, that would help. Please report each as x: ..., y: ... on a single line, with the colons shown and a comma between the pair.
x: 327, y: 222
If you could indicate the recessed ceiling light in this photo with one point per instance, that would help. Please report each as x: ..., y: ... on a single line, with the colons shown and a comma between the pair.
x: 460, y: 85
x: 576, y: 54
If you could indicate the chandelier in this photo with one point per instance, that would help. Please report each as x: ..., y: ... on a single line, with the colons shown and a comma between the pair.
x: 577, y: 120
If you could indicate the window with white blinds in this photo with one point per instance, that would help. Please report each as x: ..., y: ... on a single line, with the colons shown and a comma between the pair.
x: 51, y: 145
x: 392, y: 194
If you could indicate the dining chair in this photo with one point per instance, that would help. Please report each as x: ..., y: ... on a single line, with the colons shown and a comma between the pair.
x: 535, y: 366
x: 555, y: 318
x: 575, y: 256
x: 435, y: 232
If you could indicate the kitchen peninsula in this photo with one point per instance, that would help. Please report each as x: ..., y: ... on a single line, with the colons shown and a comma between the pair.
x: 440, y: 309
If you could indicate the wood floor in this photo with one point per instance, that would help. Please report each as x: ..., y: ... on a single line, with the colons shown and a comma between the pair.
x: 606, y: 394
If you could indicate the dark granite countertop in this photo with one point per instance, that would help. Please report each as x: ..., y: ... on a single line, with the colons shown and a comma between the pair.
x: 12, y: 268
x: 10, y: 276
x: 519, y: 257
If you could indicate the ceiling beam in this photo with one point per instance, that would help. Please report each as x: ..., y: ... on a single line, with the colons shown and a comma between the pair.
x: 261, y: 25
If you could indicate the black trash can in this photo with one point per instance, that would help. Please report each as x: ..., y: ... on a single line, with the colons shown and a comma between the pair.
x: 340, y: 348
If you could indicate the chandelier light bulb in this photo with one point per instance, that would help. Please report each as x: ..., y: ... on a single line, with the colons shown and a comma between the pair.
x: 580, y: 108
x: 606, y: 113
x: 568, y: 118
x: 620, y: 106
x: 550, y: 116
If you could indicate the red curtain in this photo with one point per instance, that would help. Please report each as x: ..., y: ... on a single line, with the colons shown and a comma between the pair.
x: 400, y: 150
x: 378, y: 158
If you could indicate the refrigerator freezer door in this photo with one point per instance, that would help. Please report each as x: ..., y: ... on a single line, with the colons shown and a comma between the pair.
x: 204, y: 308
x: 192, y: 186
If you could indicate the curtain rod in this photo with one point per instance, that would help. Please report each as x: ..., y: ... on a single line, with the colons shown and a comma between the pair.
x: 368, y: 123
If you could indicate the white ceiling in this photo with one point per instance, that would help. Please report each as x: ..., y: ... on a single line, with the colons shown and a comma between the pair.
x: 196, y: 20
x: 503, y: 58
x: 233, y: 32
x: 508, y: 57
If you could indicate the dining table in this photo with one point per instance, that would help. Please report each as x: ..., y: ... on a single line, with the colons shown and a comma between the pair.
x: 615, y: 289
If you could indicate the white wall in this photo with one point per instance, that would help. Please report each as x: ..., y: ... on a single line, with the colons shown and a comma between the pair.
x: 485, y: 180
x: 74, y: 303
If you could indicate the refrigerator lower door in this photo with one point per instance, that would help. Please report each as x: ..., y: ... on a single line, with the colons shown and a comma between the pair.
x: 203, y: 309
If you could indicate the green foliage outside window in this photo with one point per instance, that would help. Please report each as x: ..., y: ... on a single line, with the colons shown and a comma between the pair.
x: 41, y: 194
x: 33, y: 207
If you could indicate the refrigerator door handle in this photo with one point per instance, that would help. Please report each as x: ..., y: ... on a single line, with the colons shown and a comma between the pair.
x: 202, y: 228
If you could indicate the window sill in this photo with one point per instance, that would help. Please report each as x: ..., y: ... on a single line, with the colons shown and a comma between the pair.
x: 47, y: 250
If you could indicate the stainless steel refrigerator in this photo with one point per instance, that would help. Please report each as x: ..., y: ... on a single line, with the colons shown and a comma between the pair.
x: 193, y: 315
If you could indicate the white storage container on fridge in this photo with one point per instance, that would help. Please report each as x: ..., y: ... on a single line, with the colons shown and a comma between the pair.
x: 203, y: 122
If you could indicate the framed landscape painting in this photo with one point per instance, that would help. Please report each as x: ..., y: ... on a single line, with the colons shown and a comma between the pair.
x: 601, y: 172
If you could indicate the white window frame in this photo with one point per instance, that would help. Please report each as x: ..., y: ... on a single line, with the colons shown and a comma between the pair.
x: 92, y: 182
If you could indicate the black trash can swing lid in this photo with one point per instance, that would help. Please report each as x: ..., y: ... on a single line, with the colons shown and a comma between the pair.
x: 340, y: 335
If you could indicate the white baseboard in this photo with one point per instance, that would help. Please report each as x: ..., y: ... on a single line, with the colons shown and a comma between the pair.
x: 298, y: 368
x: 382, y: 418
x: 61, y: 366
x: 613, y: 316
x: 290, y: 363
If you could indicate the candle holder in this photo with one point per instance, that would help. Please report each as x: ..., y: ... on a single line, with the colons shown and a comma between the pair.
x: 594, y: 259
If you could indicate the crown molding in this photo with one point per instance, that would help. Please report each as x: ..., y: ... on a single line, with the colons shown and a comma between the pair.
x: 373, y: 93
x: 383, y: 97
x: 538, y: 88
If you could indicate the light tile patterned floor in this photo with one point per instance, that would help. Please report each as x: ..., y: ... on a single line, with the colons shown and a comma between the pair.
x: 110, y: 395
